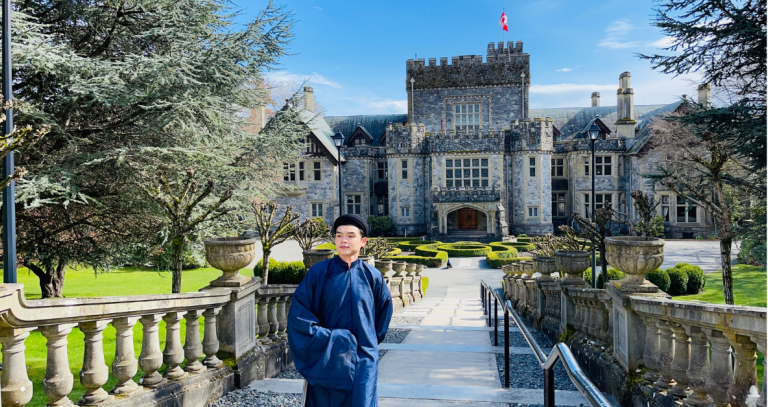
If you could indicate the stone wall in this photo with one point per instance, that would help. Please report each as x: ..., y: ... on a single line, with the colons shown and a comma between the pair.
x: 301, y: 194
x: 531, y: 140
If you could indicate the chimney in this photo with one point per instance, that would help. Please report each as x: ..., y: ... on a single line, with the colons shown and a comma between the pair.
x: 704, y: 98
x: 595, y: 99
x: 625, y: 108
x: 309, y: 99
x: 263, y: 117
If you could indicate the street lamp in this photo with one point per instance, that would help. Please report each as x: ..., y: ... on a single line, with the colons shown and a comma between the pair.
x: 594, y: 132
x: 338, y: 140
x: 412, y: 112
x: 9, y: 208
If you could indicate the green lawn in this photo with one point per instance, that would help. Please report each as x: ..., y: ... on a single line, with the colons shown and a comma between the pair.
x: 749, y: 287
x: 84, y: 283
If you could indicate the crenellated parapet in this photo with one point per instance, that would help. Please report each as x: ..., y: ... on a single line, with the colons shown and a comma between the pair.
x: 532, y: 135
x: 503, y: 67
x: 613, y: 144
x: 444, y: 142
x: 406, y: 139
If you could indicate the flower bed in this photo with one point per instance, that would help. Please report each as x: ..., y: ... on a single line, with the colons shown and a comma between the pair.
x: 462, y: 249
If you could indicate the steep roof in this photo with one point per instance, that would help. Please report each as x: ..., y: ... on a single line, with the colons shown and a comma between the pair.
x: 375, y: 124
x: 320, y: 128
x: 644, y: 134
x: 607, y: 113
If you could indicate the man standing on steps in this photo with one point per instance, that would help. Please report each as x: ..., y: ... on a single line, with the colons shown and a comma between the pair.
x: 339, y: 315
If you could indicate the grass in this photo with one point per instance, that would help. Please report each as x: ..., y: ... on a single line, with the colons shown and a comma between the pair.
x: 84, y: 283
x: 749, y: 288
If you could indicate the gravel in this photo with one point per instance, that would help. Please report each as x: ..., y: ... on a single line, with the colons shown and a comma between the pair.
x: 526, y: 371
x: 395, y: 335
x: 252, y: 398
x: 404, y: 320
x: 290, y: 374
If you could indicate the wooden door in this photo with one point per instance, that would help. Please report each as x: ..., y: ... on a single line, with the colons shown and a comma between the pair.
x: 467, y: 219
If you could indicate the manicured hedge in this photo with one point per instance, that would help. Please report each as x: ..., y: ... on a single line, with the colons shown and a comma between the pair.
x: 613, y: 274
x: 465, y: 249
x: 520, y: 246
x: 427, y: 255
x: 331, y: 246
x: 524, y: 240
x: 696, y: 278
x: 497, y: 259
x: 660, y: 278
x: 411, y: 245
x: 678, y: 281
x: 282, y: 272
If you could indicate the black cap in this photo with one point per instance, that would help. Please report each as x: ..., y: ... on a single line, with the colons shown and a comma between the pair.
x: 351, y: 220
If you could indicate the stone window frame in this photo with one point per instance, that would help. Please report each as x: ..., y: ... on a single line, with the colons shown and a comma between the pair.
x: 405, y: 211
x: 558, y: 166
x: 289, y: 172
x: 665, y: 201
x: 356, y: 205
x: 532, y: 212
x: 313, y: 209
x: 299, y: 171
x: 600, y: 166
x: 315, y: 169
x: 482, y: 181
x: 485, y: 102
x: 688, y: 207
x: 476, y: 114
x: 383, y: 201
x: 599, y: 200
x: 382, y: 170
x: 532, y: 166
x: 404, y: 167
x: 556, y: 201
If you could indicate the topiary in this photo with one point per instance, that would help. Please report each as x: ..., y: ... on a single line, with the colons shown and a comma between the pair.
x: 678, y: 281
x: 465, y: 249
x: 613, y: 274
x: 696, y: 278
x: 660, y: 278
x: 522, y: 235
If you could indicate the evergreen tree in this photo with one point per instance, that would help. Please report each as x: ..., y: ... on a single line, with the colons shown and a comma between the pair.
x: 132, y: 90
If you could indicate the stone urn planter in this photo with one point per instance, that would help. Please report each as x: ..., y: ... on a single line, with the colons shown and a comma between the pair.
x: 572, y: 263
x: 399, y: 267
x: 527, y: 269
x: 367, y: 259
x: 312, y: 257
x: 419, y: 269
x: 507, y: 269
x: 384, y: 266
x: 517, y: 269
x: 635, y: 256
x: 545, y: 266
x: 230, y: 254
x: 410, y: 268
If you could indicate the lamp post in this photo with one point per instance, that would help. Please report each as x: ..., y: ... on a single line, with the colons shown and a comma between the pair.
x: 9, y: 209
x: 594, y: 132
x: 412, y: 112
x: 338, y: 140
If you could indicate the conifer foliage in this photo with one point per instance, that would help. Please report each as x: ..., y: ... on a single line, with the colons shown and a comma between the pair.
x: 145, y: 100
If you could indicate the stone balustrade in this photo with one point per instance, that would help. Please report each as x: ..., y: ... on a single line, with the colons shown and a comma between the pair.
x: 694, y: 353
x: 230, y: 328
x: 405, y: 289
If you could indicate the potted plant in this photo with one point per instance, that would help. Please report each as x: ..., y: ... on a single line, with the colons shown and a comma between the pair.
x: 384, y: 266
x: 230, y: 254
x: 307, y: 234
x: 544, y: 266
x: 376, y: 248
x: 399, y: 267
x: 572, y: 263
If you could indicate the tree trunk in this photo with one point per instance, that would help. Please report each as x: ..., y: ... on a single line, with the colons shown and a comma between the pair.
x: 177, y: 251
x: 51, y: 280
x: 603, y: 266
x: 265, y: 262
x: 725, y: 259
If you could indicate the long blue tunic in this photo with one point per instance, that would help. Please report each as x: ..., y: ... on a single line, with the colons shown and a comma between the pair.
x: 337, y: 319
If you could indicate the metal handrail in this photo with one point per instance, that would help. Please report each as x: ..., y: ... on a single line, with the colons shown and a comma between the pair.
x: 559, y: 351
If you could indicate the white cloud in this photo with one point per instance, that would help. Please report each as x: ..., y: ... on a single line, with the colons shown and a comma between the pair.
x: 615, y: 34
x: 382, y: 106
x: 315, y: 78
x: 662, y: 43
x: 569, y: 87
x: 566, y: 69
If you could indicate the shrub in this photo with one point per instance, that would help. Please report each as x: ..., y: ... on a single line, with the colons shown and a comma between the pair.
x: 613, y: 274
x: 678, y: 281
x: 326, y: 246
x: 522, y: 235
x: 380, y: 225
x: 752, y: 251
x: 520, y: 246
x: 696, y: 279
x: 282, y: 272
x: 523, y: 239
x: 424, y: 285
x: 503, y: 246
x: 497, y: 259
x: 192, y: 257
x: 427, y: 255
x: 465, y: 250
x: 411, y: 245
x: 660, y: 278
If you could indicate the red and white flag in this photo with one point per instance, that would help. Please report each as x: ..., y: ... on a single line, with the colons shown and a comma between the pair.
x: 503, y: 21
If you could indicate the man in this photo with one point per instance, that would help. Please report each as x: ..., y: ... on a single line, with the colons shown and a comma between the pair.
x: 339, y: 315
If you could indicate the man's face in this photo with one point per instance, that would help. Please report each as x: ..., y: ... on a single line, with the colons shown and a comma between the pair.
x: 349, y: 240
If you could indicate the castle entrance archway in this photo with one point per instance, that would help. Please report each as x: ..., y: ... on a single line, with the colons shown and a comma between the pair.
x: 467, y: 218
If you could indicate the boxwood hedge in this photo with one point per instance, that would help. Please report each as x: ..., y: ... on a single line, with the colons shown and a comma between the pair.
x: 411, y: 245
x: 426, y: 254
x: 524, y: 240
x: 497, y: 259
x: 462, y: 249
x: 331, y: 246
x: 696, y: 279
x: 520, y: 246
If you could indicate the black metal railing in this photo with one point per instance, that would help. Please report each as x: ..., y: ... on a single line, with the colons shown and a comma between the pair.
x: 559, y: 351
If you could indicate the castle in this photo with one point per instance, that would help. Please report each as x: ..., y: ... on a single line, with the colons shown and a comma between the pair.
x: 469, y: 162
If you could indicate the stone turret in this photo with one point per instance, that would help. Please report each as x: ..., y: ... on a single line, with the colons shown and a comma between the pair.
x: 531, y: 147
x: 704, y: 97
x: 595, y: 99
x: 625, y: 108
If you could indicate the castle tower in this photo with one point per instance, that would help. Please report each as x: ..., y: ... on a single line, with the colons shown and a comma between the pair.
x: 625, y: 108
x: 704, y: 97
x: 595, y: 99
x: 530, y: 202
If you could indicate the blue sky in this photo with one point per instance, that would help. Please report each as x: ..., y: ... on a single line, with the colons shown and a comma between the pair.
x: 354, y: 53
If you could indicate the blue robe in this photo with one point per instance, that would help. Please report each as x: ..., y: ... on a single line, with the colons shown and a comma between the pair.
x: 337, y: 319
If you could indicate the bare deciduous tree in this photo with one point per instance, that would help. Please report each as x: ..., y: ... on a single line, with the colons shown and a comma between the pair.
x: 272, y: 231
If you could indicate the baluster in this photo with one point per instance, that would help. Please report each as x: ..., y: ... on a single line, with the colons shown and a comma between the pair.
x: 681, y: 361
x: 125, y: 365
x: 193, y: 349
x: 282, y: 321
x: 666, y: 355
x: 58, y: 378
x: 744, y: 372
x: 210, y: 340
x: 263, y: 304
x: 760, y: 340
x: 173, y: 355
x: 15, y: 384
x: 273, y: 324
x: 698, y: 368
x: 151, y: 357
x: 721, y: 368
x: 651, y: 350
x: 95, y: 372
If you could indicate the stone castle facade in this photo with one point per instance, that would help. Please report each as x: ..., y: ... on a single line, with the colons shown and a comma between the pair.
x: 468, y: 162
